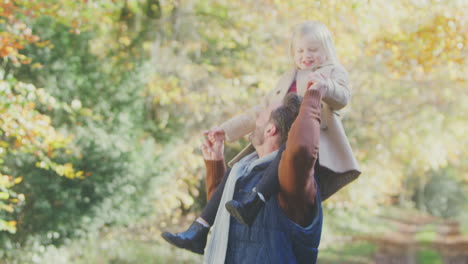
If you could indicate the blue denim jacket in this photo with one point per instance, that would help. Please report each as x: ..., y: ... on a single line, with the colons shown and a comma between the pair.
x: 273, y: 237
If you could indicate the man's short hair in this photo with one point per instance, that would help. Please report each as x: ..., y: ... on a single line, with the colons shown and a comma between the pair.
x: 283, y: 116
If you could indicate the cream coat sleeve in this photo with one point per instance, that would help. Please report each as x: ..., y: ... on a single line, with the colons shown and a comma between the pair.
x: 338, y: 94
x: 241, y: 125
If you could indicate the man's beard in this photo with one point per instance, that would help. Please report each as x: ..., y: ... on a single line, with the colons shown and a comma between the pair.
x: 256, y: 137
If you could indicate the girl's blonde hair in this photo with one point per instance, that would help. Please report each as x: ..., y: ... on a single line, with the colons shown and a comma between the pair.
x: 320, y: 33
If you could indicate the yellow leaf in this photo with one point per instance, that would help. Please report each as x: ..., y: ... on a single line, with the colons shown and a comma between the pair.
x: 7, y: 208
x: 18, y: 180
x: 80, y: 174
x: 4, y: 195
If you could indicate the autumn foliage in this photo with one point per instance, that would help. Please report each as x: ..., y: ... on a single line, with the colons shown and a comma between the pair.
x: 102, y: 104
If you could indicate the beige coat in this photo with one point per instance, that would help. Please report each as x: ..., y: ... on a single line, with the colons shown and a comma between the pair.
x: 339, y: 166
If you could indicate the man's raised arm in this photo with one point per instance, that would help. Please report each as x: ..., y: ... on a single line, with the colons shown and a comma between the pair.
x: 296, y: 168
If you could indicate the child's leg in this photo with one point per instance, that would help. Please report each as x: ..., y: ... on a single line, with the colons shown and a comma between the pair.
x: 246, y: 211
x: 269, y: 184
x: 195, y: 237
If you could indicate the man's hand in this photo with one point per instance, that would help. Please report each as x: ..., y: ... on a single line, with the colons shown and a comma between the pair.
x: 213, y: 147
x: 215, y: 134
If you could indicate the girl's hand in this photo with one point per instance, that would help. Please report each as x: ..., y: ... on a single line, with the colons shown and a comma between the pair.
x: 317, y: 81
x: 215, y: 134
x: 213, y: 150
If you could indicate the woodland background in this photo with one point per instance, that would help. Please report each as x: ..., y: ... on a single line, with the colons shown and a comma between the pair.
x: 102, y: 104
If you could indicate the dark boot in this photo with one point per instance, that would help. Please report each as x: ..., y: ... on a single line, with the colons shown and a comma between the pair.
x: 194, y: 239
x: 246, y: 211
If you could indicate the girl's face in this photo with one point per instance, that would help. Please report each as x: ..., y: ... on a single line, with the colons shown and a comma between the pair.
x: 308, y: 52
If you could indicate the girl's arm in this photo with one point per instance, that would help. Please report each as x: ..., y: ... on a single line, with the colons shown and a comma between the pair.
x: 243, y: 124
x: 240, y: 125
x: 338, y: 93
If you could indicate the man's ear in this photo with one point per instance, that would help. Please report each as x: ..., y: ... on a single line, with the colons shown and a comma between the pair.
x: 271, y: 129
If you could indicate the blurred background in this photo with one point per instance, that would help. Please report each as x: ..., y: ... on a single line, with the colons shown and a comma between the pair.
x: 102, y: 105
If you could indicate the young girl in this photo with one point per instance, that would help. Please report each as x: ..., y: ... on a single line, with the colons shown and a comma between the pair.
x: 314, y: 60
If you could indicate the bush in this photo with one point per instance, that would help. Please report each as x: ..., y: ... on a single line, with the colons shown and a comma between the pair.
x: 444, y: 195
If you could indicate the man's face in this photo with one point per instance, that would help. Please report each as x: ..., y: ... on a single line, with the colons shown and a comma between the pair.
x: 257, y: 137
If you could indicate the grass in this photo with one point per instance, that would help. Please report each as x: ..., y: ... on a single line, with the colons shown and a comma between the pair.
x: 131, y: 251
x: 427, y: 234
x: 142, y: 244
x: 428, y: 257
x: 113, y: 247
x: 352, y: 252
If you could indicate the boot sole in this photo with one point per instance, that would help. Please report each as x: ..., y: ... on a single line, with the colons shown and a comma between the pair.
x: 174, y: 243
x: 236, y: 214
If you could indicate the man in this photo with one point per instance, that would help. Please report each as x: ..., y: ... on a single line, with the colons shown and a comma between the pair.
x: 288, y: 227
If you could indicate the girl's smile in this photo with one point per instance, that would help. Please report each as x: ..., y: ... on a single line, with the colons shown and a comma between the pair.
x: 308, y: 52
